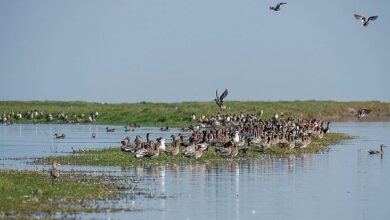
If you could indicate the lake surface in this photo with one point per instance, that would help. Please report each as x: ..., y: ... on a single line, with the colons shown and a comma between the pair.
x: 344, y: 183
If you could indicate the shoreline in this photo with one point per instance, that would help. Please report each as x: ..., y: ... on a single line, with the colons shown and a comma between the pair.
x: 179, y: 114
x: 27, y: 193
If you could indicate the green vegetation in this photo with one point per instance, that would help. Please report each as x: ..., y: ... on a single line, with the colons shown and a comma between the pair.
x: 179, y: 114
x: 115, y: 157
x: 25, y: 192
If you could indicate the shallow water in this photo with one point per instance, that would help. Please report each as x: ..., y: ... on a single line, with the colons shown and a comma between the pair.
x: 24, y: 141
x: 344, y: 183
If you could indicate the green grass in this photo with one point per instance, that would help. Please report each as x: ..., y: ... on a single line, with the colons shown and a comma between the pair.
x: 178, y: 114
x: 114, y: 156
x: 26, y: 192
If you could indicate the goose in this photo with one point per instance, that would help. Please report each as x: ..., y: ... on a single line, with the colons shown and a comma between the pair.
x: 365, y: 21
x: 265, y: 143
x: 175, y: 148
x: 54, y: 171
x: 195, y: 154
x: 219, y: 99
x: 233, y: 151
x: 287, y: 143
x: 205, y: 142
x: 154, y: 152
x: 189, y: 149
x: 140, y: 152
x: 303, y: 142
x: 62, y: 136
x: 226, y: 150
x: 126, y: 146
x: 277, y: 7
x: 377, y: 151
x: 110, y: 129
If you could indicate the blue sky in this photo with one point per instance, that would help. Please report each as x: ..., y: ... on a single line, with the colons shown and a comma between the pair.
x: 182, y: 50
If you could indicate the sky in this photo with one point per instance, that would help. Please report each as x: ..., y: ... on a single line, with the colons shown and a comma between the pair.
x: 183, y: 50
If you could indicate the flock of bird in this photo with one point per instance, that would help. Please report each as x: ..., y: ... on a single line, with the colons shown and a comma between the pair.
x: 365, y: 21
x: 229, y: 134
x: 9, y: 118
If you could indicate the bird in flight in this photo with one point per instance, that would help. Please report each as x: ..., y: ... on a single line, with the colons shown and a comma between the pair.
x: 277, y: 7
x: 363, y: 112
x: 365, y: 20
x: 219, y: 99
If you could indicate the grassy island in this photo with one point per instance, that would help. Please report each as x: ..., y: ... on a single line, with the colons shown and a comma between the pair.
x: 115, y: 157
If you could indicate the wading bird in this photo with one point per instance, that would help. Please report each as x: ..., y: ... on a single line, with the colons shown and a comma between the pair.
x: 277, y: 7
x: 365, y: 21
x: 219, y: 99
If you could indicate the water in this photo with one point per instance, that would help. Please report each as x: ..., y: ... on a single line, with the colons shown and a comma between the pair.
x: 23, y: 141
x: 344, y: 183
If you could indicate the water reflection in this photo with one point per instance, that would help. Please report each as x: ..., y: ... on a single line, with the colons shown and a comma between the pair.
x: 346, y: 180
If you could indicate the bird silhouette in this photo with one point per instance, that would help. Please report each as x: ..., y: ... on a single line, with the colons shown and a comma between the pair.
x: 277, y: 7
x: 219, y: 99
x: 365, y: 21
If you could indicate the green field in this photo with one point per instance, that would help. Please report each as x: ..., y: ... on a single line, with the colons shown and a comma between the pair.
x: 179, y: 114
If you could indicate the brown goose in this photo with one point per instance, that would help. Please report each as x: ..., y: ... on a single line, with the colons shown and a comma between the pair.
x: 195, y: 154
x: 54, y: 171
x: 175, y: 148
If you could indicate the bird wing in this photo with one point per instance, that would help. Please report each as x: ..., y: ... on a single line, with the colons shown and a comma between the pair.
x: 217, y: 100
x: 359, y: 17
x: 372, y: 18
x: 281, y: 3
x: 366, y: 111
x: 224, y: 94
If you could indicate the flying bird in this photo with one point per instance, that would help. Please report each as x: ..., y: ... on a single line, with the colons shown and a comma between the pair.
x: 219, y: 99
x: 365, y: 20
x: 277, y: 7
x: 363, y: 112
